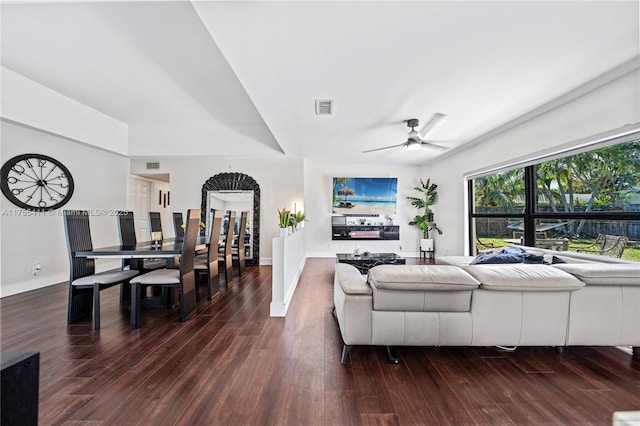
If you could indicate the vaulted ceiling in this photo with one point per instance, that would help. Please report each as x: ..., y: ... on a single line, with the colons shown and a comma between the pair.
x: 241, y: 78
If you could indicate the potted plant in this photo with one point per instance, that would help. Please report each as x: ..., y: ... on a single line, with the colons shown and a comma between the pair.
x: 284, y: 221
x: 428, y: 195
x: 299, y: 218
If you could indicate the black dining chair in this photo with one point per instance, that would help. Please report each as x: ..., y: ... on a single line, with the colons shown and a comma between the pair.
x: 127, y: 229
x: 238, y: 249
x: 182, y: 278
x: 155, y: 222
x: 177, y: 225
x: 225, y: 255
x: 84, y: 283
x: 208, y: 262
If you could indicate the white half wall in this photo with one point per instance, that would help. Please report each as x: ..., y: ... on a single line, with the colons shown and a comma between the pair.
x: 31, y: 104
x: 606, y: 108
x: 288, y: 263
x: 27, y: 237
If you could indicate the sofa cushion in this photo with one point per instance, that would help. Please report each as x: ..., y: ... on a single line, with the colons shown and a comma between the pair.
x: 351, y: 280
x: 521, y: 277
x: 421, y: 288
x: 454, y: 260
x: 603, y: 274
x: 421, y: 277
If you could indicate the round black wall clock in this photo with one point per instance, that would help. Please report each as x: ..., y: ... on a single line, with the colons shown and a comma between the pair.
x: 36, y: 182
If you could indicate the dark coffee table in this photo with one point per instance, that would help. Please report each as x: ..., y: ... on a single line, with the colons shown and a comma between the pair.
x: 365, y: 262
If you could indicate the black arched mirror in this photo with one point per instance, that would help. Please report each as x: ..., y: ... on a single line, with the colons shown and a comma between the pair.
x: 235, y: 191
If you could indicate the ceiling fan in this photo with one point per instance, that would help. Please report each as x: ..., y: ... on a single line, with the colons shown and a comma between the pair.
x: 415, y: 140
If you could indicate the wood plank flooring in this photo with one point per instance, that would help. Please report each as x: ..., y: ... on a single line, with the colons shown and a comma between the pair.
x: 234, y: 365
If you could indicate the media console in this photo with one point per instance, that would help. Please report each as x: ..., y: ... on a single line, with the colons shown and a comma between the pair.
x: 365, y: 232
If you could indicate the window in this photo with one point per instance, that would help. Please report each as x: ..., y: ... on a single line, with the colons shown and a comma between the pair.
x: 563, y: 203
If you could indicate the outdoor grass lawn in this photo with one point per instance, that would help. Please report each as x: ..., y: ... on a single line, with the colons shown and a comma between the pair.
x: 631, y: 252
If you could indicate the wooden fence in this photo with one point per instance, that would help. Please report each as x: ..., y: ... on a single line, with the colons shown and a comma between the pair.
x: 500, y: 227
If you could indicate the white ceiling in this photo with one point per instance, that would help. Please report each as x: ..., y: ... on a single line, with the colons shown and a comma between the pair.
x: 241, y: 78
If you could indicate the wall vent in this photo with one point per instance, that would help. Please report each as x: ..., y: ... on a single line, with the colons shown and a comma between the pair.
x: 324, y: 106
x: 153, y: 166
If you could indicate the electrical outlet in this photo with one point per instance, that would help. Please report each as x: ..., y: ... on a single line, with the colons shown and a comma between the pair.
x: 35, y: 269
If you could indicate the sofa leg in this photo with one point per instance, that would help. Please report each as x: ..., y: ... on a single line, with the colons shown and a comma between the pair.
x: 345, y: 352
x: 635, y: 354
x: 392, y: 355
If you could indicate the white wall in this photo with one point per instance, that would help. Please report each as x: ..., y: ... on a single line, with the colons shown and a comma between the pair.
x: 100, y: 186
x: 606, y: 108
x: 281, y: 183
x: 318, y: 178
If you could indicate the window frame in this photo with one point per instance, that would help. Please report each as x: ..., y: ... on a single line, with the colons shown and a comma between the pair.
x: 530, y: 215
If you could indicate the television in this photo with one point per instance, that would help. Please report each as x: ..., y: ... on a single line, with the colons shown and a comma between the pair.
x: 364, y: 196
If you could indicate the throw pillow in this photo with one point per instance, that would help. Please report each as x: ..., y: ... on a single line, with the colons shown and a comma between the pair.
x: 513, y: 249
x: 497, y: 258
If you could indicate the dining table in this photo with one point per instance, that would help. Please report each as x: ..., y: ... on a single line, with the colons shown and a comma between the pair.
x: 167, y: 248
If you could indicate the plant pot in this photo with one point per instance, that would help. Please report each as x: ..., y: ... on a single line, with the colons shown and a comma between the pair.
x: 284, y: 232
x: 426, y: 244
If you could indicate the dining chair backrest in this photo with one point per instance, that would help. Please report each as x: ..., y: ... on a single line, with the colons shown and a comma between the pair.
x: 177, y: 224
x: 187, y: 274
x: 155, y: 222
x: 240, y: 242
x: 78, y: 235
x: 227, y: 256
x: 214, y: 236
x: 231, y: 226
x: 242, y: 229
x: 127, y: 228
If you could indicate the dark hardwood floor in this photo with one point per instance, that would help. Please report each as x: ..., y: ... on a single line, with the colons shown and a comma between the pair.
x: 234, y: 365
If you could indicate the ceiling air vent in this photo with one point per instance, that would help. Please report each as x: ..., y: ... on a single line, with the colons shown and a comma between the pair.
x: 324, y: 106
x: 153, y: 166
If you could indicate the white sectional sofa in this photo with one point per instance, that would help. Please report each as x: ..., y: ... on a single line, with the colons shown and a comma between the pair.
x: 587, y: 300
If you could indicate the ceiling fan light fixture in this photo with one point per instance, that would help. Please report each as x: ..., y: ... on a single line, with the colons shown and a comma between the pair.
x: 413, y: 145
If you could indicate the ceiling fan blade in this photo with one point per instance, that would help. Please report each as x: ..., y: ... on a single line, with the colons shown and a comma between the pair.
x: 433, y: 145
x: 431, y: 123
x: 386, y: 147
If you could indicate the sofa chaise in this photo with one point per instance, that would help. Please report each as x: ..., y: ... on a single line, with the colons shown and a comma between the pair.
x: 573, y: 299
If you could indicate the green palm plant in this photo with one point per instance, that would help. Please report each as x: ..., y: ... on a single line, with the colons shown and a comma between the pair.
x: 299, y: 217
x: 428, y: 196
x: 284, y: 217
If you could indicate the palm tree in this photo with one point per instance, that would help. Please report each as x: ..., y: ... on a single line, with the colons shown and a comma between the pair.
x: 338, y: 181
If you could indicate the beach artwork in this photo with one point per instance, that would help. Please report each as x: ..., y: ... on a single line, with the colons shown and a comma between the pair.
x: 365, y: 196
